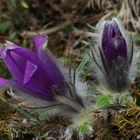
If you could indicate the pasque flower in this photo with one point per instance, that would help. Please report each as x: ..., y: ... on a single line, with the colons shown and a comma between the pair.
x: 35, y: 72
x: 113, y: 54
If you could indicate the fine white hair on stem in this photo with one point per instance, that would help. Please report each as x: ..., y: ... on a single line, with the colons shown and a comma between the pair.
x: 98, y: 68
x: 133, y: 68
x: 99, y: 30
x: 37, y: 105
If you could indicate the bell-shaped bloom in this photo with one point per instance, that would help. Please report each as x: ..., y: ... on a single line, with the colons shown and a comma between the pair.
x: 35, y: 72
x: 113, y: 54
x: 113, y: 43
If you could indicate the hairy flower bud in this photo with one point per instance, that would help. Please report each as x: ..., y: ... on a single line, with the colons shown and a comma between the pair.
x: 113, y: 43
x: 113, y: 54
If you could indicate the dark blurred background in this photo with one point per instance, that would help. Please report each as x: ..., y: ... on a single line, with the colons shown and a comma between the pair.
x: 67, y: 22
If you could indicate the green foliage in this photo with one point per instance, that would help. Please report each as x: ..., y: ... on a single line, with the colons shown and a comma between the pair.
x: 68, y: 28
x: 43, y: 115
x: 4, y: 26
x: 85, y: 127
x: 83, y: 63
x: 103, y: 100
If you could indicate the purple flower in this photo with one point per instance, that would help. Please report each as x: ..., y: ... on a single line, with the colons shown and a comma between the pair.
x: 113, y: 43
x: 35, y: 73
x: 113, y: 55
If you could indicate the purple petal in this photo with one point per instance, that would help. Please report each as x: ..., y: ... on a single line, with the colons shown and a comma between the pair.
x: 40, y: 40
x: 29, y: 71
x: 111, y: 30
x: 113, y: 43
x: 116, y: 48
x: 36, y: 73
x: 48, y: 64
x: 25, y: 67
x: 13, y: 67
x: 15, y: 58
x: 3, y: 82
x: 36, y: 79
x: 34, y: 92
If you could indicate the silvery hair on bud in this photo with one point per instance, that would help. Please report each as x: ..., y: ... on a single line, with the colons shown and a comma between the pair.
x: 123, y: 71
